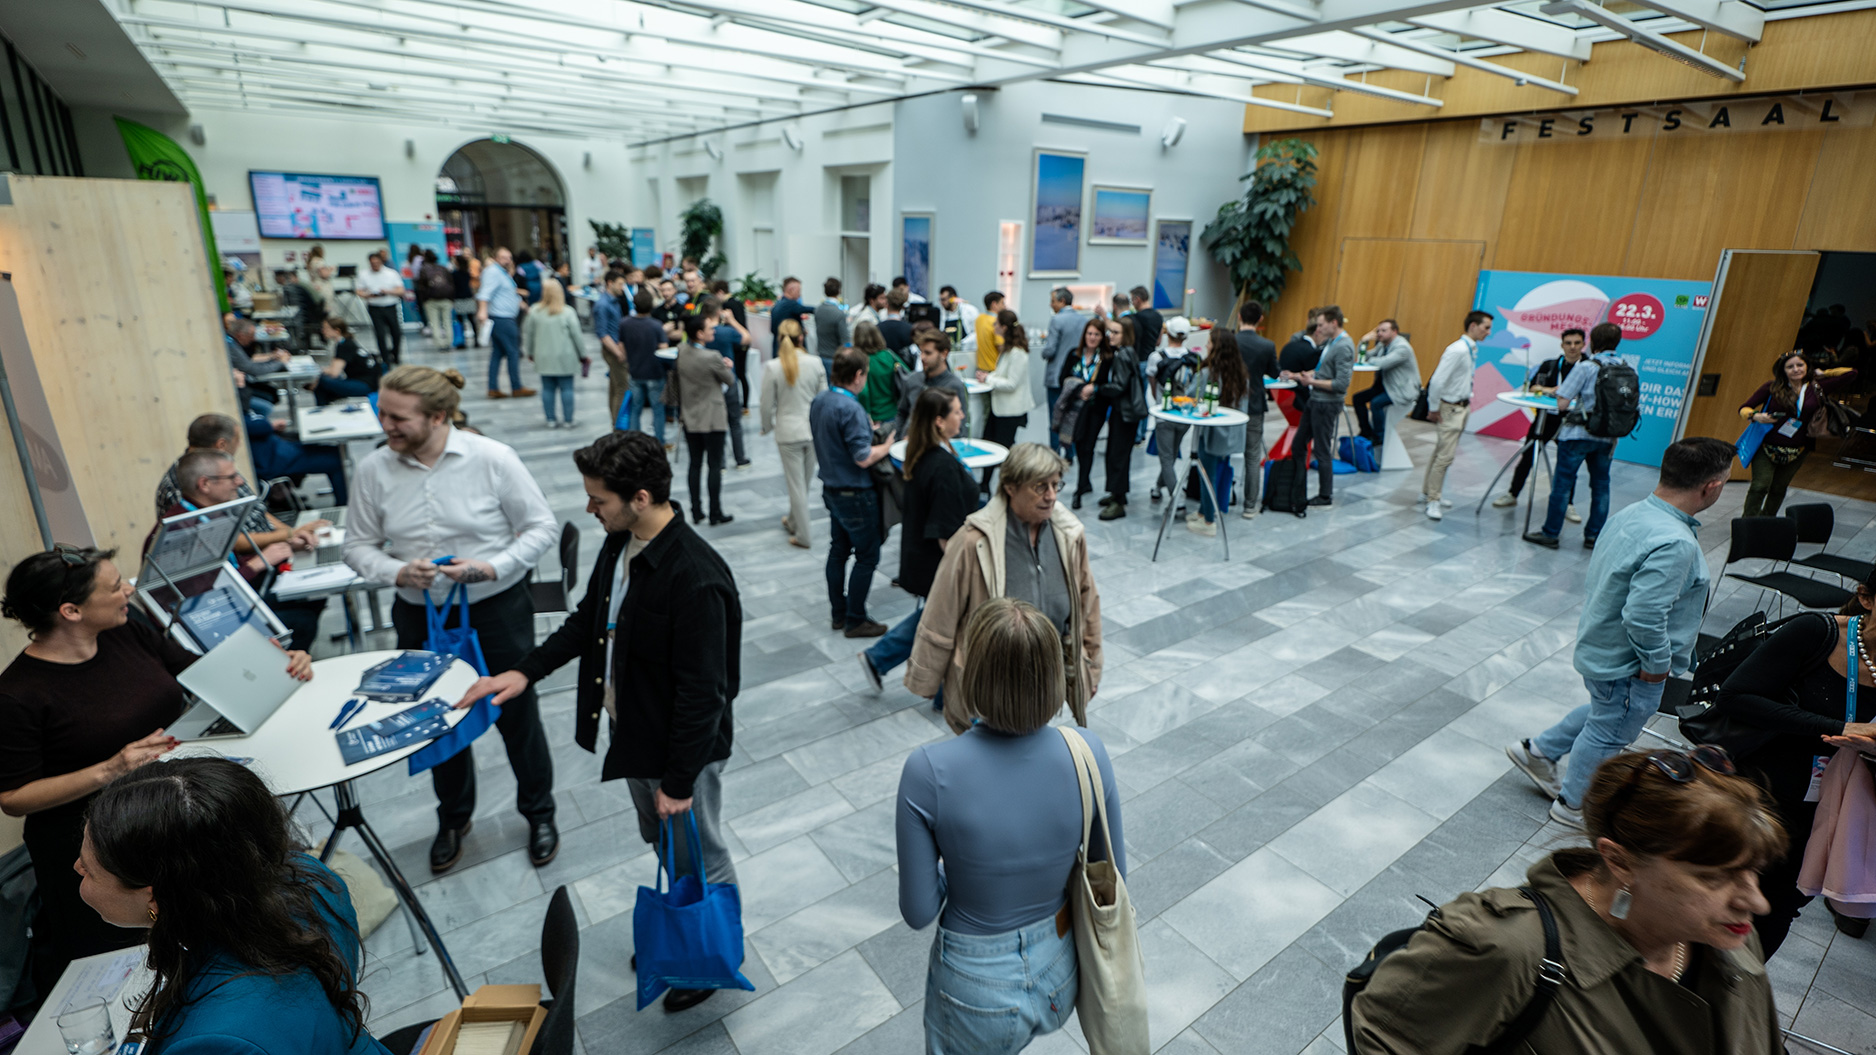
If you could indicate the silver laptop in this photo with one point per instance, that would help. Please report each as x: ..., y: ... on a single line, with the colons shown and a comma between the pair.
x: 237, y: 686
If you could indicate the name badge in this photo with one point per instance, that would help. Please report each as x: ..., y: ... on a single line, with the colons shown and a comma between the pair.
x: 1789, y: 428
x: 1818, y: 762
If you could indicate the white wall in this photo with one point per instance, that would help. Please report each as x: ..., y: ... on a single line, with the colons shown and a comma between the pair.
x: 974, y: 181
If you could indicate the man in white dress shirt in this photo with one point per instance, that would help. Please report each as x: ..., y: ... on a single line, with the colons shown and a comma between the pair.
x: 434, y: 492
x: 382, y: 289
x: 1449, y: 397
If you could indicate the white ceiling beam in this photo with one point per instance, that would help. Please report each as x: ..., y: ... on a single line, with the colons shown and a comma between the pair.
x: 1152, y: 12
x: 1070, y: 25
x: 1518, y: 77
x: 1300, y: 12
x: 991, y: 24
x: 475, y: 125
x: 1509, y: 29
x: 1219, y: 68
x: 1322, y: 80
x: 866, y: 26
x: 1731, y: 17
x: 1344, y: 46
x: 1647, y: 38
x: 1154, y: 77
x: 227, y: 78
x: 314, y: 94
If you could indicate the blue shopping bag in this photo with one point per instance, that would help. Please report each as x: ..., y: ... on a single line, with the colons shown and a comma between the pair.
x: 691, y: 936
x: 461, y: 642
x: 1753, y: 438
x: 1358, y: 452
x: 625, y: 419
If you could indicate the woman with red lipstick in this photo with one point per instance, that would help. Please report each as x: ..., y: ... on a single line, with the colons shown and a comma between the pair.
x: 1654, y: 920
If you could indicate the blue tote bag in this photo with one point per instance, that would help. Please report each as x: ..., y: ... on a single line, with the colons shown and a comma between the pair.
x: 624, y: 419
x: 1753, y: 438
x: 461, y: 642
x: 691, y: 936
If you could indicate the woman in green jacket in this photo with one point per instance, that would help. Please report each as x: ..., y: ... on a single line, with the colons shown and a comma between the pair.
x: 1655, y: 924
x: 552, y: 337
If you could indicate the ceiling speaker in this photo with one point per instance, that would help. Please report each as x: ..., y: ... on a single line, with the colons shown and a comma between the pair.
x: 970, y: 113
x: 1174, y: 131
x: 715, y: 152
x: 197, y: 136
x: 792, y: 138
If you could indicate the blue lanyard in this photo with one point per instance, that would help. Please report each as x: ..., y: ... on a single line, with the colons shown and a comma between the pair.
x: 1850, y: 656
x: 847, y: 392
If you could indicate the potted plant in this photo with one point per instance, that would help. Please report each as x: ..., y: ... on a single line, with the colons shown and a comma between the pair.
x: 699, y: 227
x: 1251, y: 236
x: 614, y: 240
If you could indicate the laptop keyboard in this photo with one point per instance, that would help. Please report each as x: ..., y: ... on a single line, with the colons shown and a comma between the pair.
x: 222, y: 727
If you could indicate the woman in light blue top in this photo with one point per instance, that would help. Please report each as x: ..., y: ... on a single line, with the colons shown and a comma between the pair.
x: 1223, y: 369
x: 988, y: 827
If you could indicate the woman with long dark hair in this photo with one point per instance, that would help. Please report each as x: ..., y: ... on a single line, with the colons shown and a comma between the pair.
x: 1078, y: 370
x: 1116, y: 395
x: 1789, y: 402
x: 1224, y: 368
x: 250, y: 939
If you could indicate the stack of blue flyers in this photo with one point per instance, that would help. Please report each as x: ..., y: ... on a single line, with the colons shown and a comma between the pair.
x: 405, y: 677
x: 426, y: 721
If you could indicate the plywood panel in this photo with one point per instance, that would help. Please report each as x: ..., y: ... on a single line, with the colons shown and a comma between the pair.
x: 1708, y: 193
x: 1379, y: 184
x: 1569, y: 206
x: 1840, y: 210
x: 1436, y: 291
x: 1368, y: 277
x: 1462, y: 185
x: 1756, y: 317
x: 1317, y: 238
x: 114, y: 289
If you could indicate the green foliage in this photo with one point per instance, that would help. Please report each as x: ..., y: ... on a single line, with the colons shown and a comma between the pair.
x: 1251, y: 236
x: 700, y: 227
x: 753, y: 287
x: 614, y: 240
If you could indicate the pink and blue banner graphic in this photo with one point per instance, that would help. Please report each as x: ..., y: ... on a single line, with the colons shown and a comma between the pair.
x: 1660, y: 321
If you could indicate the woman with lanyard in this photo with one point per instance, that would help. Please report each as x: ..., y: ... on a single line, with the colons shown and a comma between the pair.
x: 1807, y: 690
x: 1790, y: 402
x: 939, y: 494
x: 1080, y: 368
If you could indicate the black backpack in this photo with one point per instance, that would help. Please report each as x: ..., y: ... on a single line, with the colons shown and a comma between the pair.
x: 1702, y: 720
x: 1284, y: 482
x: 1617, y: 411
x: 1549, y: 979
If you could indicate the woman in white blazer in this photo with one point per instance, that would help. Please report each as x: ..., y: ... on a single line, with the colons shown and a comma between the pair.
x: 789, y: 384
x: 1010, y: 398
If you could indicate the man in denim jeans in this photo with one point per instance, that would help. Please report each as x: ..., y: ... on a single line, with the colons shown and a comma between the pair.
x: 843, y: 443
x: 641, y: 336
x: 1576, y: 398
x: 1647, y: 593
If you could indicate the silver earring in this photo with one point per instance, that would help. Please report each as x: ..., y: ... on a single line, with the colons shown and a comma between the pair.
x: 1621, y: 903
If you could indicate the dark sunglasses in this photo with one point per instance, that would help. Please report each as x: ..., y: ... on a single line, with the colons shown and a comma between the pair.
x: 71, y: 554
x: 1677, y: 766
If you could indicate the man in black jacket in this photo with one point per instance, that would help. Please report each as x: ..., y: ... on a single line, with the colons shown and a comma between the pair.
x: 1147, y: 323
x: 659, y: 646
x: 1260, y: 362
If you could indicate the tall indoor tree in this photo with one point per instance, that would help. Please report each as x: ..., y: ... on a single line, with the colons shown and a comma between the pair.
x: 699, y: 227
x: 1251, y: 236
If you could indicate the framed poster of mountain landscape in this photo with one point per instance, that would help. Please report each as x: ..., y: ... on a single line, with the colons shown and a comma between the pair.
x: 1120, y: 215
x: 1055, y: 241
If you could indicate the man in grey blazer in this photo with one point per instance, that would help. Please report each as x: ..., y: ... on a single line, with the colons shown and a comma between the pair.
x: 1064, y: 335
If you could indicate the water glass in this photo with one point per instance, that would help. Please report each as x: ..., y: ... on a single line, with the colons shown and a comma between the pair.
x: 87, y: 1030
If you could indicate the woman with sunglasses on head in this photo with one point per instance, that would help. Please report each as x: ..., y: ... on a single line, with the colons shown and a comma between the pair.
x: 1654, y: 927
x: 1791, y: 700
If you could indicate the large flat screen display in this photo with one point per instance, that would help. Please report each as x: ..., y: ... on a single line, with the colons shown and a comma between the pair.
x: 297, y: 205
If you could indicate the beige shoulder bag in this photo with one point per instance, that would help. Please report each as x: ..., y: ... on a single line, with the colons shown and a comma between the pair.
x: 1111, y: 1001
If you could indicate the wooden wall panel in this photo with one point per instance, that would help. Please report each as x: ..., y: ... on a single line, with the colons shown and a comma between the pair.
x: 115, y: 292
x: 1757, y: 317
x: 1436, y: 291
x: 1569, y: 206
x: 1317, y: 239
x: 1368, y: 280
x: 1840, y: 209
x: 1462, y: 188
x: 1709, y: 193
x: 1379, y: 184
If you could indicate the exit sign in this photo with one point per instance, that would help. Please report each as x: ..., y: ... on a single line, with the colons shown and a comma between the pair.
x: 498, y: 138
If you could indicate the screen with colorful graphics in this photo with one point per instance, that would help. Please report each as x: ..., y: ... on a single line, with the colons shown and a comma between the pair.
x: 297, y: 205
x: 1660, y: 321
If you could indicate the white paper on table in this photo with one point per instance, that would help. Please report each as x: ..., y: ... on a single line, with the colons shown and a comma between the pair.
x: 101, y: 982
x: 310, y: 580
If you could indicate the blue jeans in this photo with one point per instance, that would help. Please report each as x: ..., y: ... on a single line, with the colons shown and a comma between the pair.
x: 853, y: 520
x: 1371, y: 413
x: 991, y: 994
x: 1049, y: 396
x: 561, y: 384
x: 282, y: 457
x: 1604, y: 726
x: 504, y: 343
x: 1570, y: 455
x: 1217, y: 469
x: 333, y: 389
x: 649, y: 395
x: 896, y: 646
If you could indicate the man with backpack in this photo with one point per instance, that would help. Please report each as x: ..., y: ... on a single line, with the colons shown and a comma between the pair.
x: 1600, y: 403
x: 1647, y: 593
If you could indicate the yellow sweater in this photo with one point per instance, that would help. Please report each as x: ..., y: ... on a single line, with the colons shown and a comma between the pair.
x: 987, y: 341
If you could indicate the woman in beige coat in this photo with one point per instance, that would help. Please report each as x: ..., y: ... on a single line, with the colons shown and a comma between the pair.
x: 789, y: 385
x: 700, y: 375
x: 1654, y: 923
x: 1022, y: 544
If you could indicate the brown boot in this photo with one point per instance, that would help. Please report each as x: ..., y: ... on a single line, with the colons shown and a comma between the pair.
x: 522, y: 392
x: 496, y: 393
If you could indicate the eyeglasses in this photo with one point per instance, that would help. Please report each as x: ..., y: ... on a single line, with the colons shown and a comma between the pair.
x: 224, y: 476
x: 70, y: 554
x: 1045, y: 488
x: 1677, y: 766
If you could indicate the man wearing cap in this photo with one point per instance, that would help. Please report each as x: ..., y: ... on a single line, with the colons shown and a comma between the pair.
x: 1171, y: 368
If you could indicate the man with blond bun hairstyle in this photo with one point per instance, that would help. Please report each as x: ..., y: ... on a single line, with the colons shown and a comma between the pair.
x: 436, y: 506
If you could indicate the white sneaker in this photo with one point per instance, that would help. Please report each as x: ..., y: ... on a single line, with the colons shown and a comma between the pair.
x: 1564, y: 815
x: 1541, y: 770
x: 1445, y: 502
x: 1193, y: 518
x: 553, y: 424
x: 1505, y: 501
x: 1200, y: 526
x: 1433, y: 511
x: 1252, y: 512
x: 1572, y: 515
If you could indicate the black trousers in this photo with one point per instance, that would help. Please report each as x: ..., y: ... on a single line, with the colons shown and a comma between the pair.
x: 504, y: 624
x: 739, y: 364
x: 1317, y: 426
x: 706, y: 445
x: 1779, y: 881
x: 1545, y: 430
x: 1001, y: 430
x: 387, y: 327
x: 1361, y: 401
x: 1119, y: 458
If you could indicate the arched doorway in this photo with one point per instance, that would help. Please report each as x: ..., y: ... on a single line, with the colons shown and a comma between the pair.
x: 493, y: 192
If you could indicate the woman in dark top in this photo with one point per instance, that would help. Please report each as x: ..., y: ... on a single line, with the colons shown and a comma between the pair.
x: 1078, y: 372
x: 85, y: 702
x: 1116, y: 394
x: 1789, y: 402
x: 463, y: 278
x: 1793, y: 689
x: 254, y: 944
x: 939, y: 494
x: 351, y: 373
x: 739, y: 356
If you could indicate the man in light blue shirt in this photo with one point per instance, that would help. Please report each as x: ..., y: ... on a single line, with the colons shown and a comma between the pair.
x: 498, y: 303
x: 1064, y: 337
x: 1576, y: 398
x: 1647, y: 594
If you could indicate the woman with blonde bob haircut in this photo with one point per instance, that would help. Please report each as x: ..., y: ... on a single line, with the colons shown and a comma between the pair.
x: 1654, y: 921
x: 788, y: 388
x: 993, y: 849
x: 1024, y: 544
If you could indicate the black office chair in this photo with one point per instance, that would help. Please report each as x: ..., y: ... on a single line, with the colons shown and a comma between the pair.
x: 1776, y: 539
x: 556, y: 595
x: 1815, y: 522
x: 560, y: 965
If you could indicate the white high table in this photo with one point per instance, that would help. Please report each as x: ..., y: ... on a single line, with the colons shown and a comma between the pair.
x: 978, y: 454
x: 1223, y: 417
x: 1542, y: 405
x: 1393, y: 453
x: 295, y: 753
x: 975, y: 403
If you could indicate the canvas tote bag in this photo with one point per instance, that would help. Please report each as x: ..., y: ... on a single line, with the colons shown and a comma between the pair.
x: 1111, y: 1001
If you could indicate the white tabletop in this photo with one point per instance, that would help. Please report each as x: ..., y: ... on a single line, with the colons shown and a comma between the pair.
x: 978, y: 454
x: 1547, y: 404
x: 1278, y: 382
x: 1223, y: 417
x: 975, y: 387
x: 337, y: 423
x: 42, y: 1037
x: 294, y: 751
x: 666, y: 353
x: 1365, y: 368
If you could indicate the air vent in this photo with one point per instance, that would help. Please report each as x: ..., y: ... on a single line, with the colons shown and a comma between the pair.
x: 1089, y: 122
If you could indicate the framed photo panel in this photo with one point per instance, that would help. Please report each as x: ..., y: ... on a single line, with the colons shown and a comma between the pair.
x: 915, y: 249
x: 1055, y: 239
x: 1172, y: 251
x: 1120, y: 215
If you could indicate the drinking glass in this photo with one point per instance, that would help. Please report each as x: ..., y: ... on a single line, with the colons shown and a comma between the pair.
x: 87, y: 1030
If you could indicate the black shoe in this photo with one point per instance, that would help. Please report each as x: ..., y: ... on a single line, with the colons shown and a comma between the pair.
x: 1589, y: 543
x: 1114, y: 511
x: 1322, y: 500
x: 720, y: 518
x: 543, y: 842
x: 1153, y: 495
x: 1848, y: 926
x: 867, y: 629
x: 697, y: 515
x: 1301, y: 513
x: 447, y: 849
x: 1075, y: 503
x: 635, y: 963
x: 840, y: 623
x: 676, y: 1000
x: 1538, y: 538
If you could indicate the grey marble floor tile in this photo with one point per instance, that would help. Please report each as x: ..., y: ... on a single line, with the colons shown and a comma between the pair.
x: 900, y: 957
x: 784, y: 879
x: 819, y: 1012
x: 1279, y: 1011
x: 861, y: 843
x: 902, y: 1033
x: 796, y: 944
x: 787, y: 818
